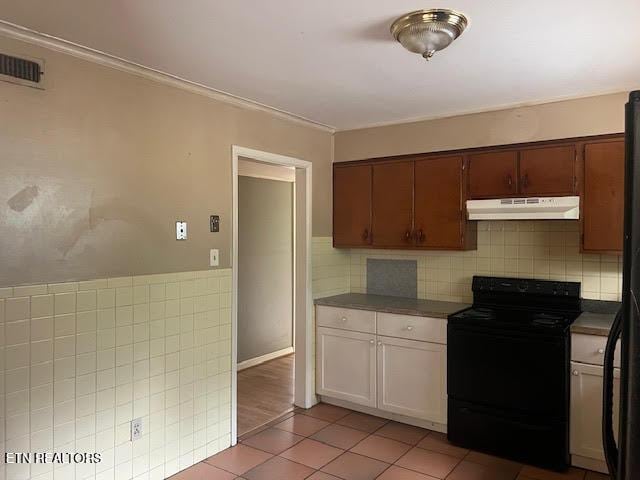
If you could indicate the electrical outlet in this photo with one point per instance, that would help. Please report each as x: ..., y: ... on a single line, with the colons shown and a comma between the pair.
x: 136, y: 429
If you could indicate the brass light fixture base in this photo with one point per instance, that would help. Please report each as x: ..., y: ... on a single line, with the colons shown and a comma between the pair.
x: 428, y: 31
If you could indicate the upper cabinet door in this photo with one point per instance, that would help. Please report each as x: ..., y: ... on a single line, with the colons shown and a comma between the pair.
x: 603, y: 199
x: 548, y: 171
x: 352, y: 205
x: 439, y: 211
x: 392, y: 194
x: 493, y: 174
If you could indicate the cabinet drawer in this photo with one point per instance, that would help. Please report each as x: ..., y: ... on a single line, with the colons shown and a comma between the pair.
x: 346, y: 319
x: 413, y: 328
x: 590, y: 349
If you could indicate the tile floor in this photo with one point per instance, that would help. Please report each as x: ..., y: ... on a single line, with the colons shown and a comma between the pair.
x: 333, y: 443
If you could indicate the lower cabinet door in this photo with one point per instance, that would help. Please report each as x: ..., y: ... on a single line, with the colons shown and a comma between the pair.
x: 346, y: 365
x: 586, y: 409
x: 412, y: 378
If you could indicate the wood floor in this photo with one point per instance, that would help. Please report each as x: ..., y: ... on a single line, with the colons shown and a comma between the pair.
x: 264, y: 393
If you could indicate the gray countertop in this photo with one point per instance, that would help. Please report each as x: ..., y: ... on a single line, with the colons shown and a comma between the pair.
x: 596, y: 318
x: 399, y: 305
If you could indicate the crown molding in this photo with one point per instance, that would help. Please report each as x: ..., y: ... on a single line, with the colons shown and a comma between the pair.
x: 51, y: 42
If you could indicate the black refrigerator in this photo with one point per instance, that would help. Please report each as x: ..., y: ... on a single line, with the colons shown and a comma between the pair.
x: 623, y: 459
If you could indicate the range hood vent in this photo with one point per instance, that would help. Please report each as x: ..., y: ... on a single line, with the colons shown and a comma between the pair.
x: 23, y: 71
x: 536, y: 208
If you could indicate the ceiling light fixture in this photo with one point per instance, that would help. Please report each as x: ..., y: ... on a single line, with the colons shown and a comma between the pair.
x: 428, y: 31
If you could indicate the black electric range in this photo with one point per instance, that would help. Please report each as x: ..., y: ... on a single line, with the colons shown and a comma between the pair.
x: 508, y: 370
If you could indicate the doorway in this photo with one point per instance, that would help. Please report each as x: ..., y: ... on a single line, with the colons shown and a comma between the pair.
x: 271, y: 294
x: 265, y: 292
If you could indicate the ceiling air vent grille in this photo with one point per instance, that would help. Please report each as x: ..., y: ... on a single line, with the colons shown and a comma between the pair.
x: 21, y: 70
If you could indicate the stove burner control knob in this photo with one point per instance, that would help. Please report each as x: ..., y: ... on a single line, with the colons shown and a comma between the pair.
x: 523, y: 287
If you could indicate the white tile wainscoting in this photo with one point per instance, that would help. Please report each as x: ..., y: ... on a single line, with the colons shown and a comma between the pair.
x: 82, y: 359
x: 523, y: 249
x: 330, y: 268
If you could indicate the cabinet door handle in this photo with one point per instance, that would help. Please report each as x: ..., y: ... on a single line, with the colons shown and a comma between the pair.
x: 601, y: 351
x: 407, y: 235
x: 379, y: 343
x: 525, y: 180
x: 509, y: 181
x: 365, y: 234
x: 420, y: 236
x: 575, y: 373
x: 372, y: 342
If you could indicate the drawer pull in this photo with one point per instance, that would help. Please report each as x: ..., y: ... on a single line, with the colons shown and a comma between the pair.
x: 601, y: 351
x: 409, y: 328
x: 575, y: 373
x: 372, y: 341
x: 343, y: 319
x: 379, y: 343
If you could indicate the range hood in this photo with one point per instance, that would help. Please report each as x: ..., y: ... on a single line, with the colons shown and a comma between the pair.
x: 535, y: 208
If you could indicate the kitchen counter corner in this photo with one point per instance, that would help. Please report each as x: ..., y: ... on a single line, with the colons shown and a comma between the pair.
x: 596, y: 318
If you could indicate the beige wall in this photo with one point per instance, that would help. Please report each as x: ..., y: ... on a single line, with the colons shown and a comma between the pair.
x: 571, y: 118
x: 97, y: 168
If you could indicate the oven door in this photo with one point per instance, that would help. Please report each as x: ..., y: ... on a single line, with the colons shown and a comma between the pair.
x: 516, y: 370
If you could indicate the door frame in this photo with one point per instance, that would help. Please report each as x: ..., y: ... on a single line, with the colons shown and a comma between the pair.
x: 304, y: 394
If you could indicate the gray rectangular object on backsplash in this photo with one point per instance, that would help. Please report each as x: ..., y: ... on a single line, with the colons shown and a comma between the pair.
x: 396, y: 278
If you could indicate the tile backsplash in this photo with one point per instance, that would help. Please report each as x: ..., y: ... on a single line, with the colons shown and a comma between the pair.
x: 523, y: 249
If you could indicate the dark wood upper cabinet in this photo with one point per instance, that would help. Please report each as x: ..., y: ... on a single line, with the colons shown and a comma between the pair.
x: 493, y: 174
x: 419, y: 201
x: 603, y: 197
x: 548, y: 171
x: 392, y: 202
x: 352, y: 205
x: 439, y: 208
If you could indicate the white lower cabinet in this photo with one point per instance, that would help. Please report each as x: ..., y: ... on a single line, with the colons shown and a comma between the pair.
x: 412, y: 378
x: 397, y: 375
x: 346, y: 365
x: 586, y: 409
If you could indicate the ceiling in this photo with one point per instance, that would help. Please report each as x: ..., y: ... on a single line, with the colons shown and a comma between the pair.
x: 334, y: 61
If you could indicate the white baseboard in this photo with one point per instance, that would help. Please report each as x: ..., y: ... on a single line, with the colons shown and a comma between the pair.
x: 252, y: 362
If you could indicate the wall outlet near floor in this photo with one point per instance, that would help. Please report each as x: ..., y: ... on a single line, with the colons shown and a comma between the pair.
x: 136, y: 429
x: 214, y: 257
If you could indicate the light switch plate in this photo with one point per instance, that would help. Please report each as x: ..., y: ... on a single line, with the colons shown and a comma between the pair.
x: 214, y: 257
x: 181, y: 230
